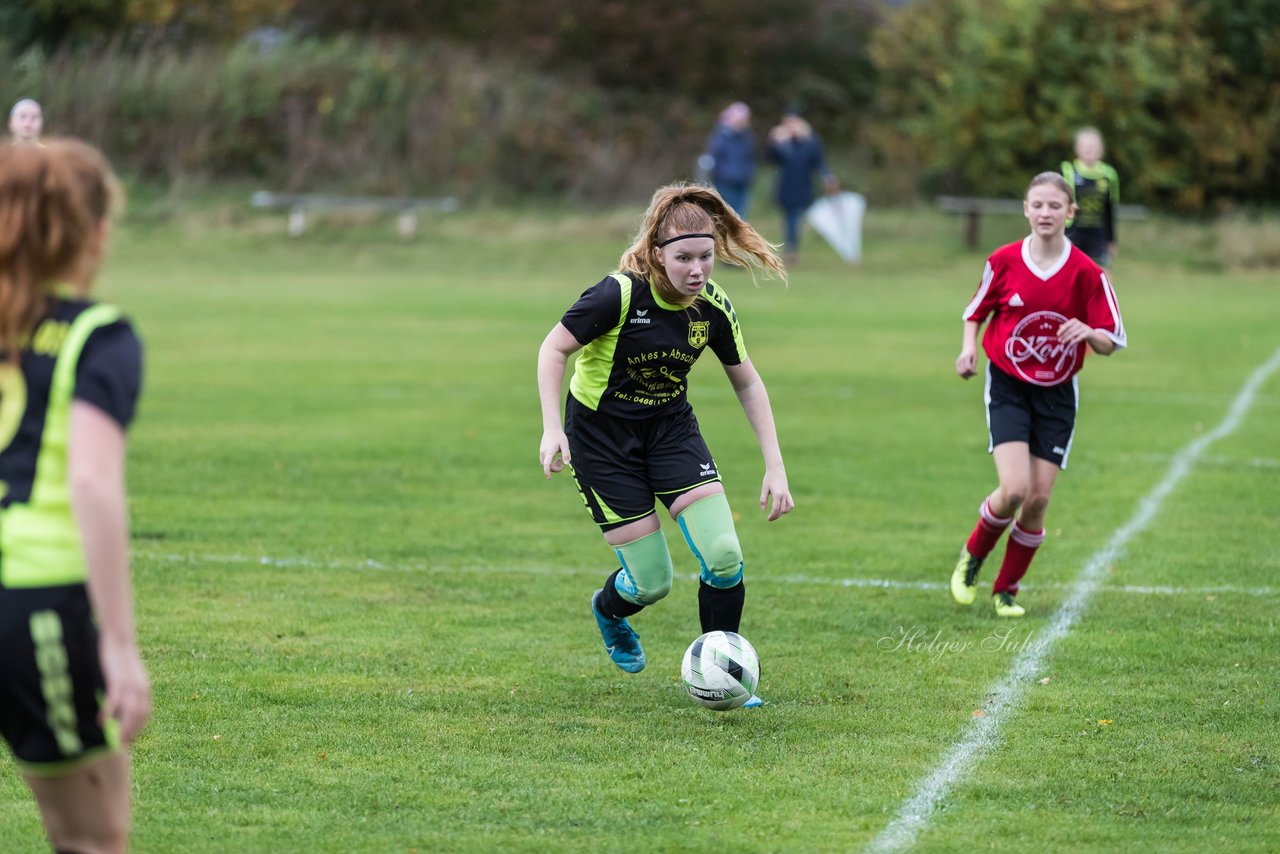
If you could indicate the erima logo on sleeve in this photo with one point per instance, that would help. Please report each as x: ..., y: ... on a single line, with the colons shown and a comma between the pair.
x: 640, y: 316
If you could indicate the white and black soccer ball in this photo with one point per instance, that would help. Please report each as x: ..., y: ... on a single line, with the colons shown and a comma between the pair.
x: 720, y: 670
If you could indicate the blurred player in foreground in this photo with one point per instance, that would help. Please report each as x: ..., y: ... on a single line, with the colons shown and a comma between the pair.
x: 73, y: 690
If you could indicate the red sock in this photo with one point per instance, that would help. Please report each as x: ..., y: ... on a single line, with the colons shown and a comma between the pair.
x: 1017, y: 557
x: 987, y: 532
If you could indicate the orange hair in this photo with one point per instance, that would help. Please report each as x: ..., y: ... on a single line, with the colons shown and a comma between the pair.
x: 52, y: 201
x: 694, y: 209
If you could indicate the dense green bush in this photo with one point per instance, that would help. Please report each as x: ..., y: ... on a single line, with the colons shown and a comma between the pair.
x: 981, y: 94
x: 358, y: 115
x: 601, y: 99
x: 769, y: 52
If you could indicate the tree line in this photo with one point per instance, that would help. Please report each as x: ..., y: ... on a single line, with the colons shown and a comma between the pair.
x: 591, y: 97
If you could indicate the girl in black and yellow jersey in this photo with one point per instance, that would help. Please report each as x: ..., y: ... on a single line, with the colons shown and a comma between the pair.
x: 73, y: 688
x: 1095, y: 187
x: 629, y: 433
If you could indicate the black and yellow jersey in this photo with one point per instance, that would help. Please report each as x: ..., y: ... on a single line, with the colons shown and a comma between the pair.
x: 82, y: 351
x: 638, y: 348
x: 1097, y: 192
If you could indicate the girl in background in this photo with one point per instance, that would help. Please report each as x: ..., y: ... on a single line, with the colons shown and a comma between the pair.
x: 1046, y: 300
x: 1096, y: 188
x: 26, y: 122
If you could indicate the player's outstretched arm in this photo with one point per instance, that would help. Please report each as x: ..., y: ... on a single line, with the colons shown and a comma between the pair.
x: 553, y: 355
x: 775, y: 494
x: 967, y: 361
x: 95, y: 462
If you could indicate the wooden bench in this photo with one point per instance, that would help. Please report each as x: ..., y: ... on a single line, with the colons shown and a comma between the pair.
x: 301, y: 205
x: 973, y: 209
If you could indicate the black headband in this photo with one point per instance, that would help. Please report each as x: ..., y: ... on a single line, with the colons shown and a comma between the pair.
x: 683, y: 237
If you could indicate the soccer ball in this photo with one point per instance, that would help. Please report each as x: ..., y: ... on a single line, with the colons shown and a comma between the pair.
x: 720, y: 670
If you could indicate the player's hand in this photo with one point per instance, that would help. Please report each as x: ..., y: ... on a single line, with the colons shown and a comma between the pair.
x: 831, y: 184
x: 1074, y: 331
x: 775, y: 495
x: 554, y: 452
x: 967, y: 363
x: 128, y: 699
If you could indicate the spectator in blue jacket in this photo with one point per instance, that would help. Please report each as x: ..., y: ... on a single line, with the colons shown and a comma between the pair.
x: 798, y: 152
x: 732, y: 148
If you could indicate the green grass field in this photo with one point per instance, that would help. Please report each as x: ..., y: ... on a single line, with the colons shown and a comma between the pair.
x: 366, y: 613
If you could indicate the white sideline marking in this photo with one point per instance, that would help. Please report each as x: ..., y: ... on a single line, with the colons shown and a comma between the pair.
x: 877, y: 583
x: 882, y: 584
x: 893, y: 584
x: 346, y: 563
x: 1006, y: 695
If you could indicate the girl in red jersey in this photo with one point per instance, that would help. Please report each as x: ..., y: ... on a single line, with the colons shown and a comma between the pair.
x: 1045, y: 299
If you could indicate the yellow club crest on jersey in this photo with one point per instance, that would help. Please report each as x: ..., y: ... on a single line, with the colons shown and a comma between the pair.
x: 699, y: 332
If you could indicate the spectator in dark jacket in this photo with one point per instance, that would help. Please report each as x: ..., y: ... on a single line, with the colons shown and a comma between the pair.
x: 796, y: 149
x: 732, y: 148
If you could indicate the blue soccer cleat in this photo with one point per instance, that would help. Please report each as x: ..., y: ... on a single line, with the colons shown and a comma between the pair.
x: 753, y: 703
x: 620, y: 640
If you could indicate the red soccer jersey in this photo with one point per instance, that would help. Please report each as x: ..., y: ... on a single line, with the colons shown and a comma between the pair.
x: 1027, y: 305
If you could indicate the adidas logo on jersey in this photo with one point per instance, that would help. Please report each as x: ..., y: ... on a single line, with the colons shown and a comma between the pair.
x: 640, y: 316
x: 1015, y: 301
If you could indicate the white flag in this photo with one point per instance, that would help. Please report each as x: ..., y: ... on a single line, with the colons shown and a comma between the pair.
x: 838, y: 218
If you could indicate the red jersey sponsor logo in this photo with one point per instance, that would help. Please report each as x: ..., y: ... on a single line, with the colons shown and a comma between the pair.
x: 1037, y: 354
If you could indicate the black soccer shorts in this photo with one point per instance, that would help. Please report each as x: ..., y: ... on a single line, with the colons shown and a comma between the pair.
x: 621, y: 465
x: 1042, y: 416
x: 1092, y: 242
x: 51, y: 684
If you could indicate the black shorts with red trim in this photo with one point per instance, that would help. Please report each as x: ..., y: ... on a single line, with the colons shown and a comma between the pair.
x: 51, y: 683
x: 1042, y: 416
x: 621, y: 464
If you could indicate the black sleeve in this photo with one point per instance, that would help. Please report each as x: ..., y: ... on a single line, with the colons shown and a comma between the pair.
x: 726, y: 337
x: 109, y: 374
x: 596, y: 311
